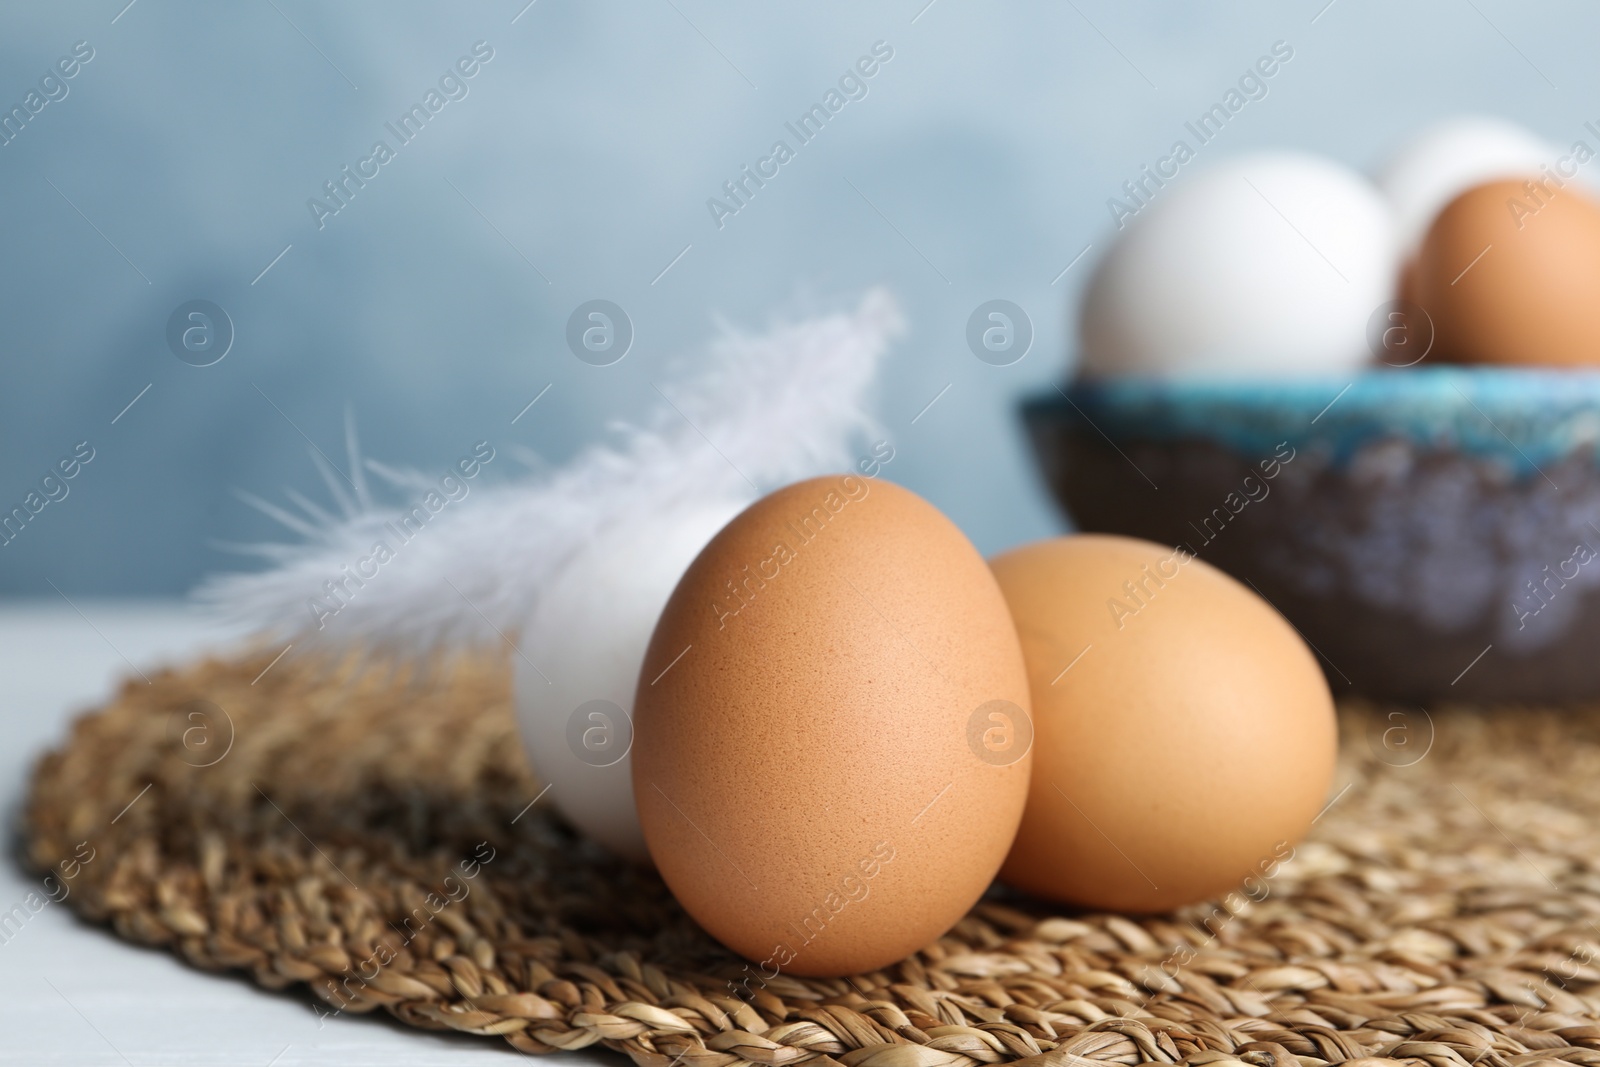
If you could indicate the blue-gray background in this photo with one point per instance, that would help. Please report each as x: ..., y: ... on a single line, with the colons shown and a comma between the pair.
x: 981, y: 159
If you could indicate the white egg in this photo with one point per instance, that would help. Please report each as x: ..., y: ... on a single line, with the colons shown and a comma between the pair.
x: 579, y: 662
x: 1269, y: 263
x: 1451, y: 157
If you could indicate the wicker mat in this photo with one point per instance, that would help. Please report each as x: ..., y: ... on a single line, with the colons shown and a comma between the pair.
x: 370, y: 836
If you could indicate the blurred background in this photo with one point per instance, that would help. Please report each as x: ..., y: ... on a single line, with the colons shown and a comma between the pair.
x: 187, y: 158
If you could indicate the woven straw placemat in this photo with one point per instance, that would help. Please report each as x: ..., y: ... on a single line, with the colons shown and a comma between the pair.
x: 370, y: 835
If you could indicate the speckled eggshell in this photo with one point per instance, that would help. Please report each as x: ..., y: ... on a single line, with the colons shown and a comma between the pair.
x: 810, y: 779
x: 1509, y: 273
x: 1184, y: 735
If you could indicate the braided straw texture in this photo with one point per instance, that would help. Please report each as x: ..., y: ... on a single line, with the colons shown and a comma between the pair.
x: 369, y: 836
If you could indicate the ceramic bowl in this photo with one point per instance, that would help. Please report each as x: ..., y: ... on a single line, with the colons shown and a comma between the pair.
x: 1433, y: 533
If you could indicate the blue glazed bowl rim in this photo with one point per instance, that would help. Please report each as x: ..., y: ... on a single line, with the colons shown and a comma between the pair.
x: 1525, y: 417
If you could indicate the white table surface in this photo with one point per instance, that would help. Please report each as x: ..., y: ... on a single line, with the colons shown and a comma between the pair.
x: 71, y: 993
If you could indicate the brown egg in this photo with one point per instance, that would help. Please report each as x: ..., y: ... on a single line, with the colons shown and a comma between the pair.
x: 1184, y: 738
x: 1509, y: 273
x: 822, y: 762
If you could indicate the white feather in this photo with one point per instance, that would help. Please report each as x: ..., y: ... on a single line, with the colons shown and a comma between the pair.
x: 766, y: 410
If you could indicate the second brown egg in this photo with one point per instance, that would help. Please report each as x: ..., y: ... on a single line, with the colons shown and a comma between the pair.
x: 1184, y: 737
x: 1509, y: 273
